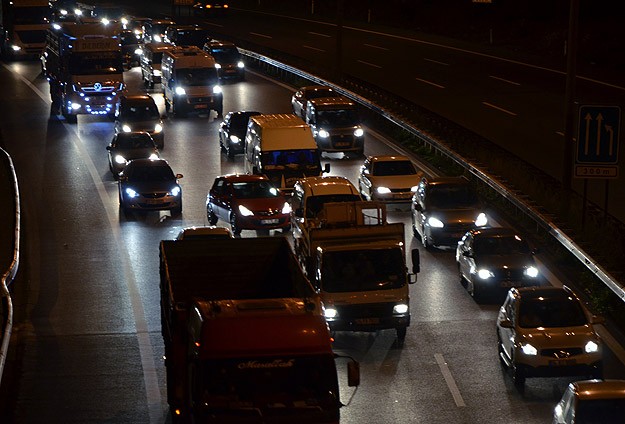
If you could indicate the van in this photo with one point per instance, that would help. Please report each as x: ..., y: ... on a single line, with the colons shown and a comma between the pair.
x: 139, y: 113
x: 151, y: 63
x: 282, y: 147
x: 335, y: 124
x: 190, y: 81
x: 226, y: 54
x: 187, y: 35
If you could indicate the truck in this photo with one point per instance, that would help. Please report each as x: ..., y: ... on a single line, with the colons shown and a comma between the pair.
x: 23, y: 25
x: 244, y: 336
x: 356, y: 260
x: 83, y: 64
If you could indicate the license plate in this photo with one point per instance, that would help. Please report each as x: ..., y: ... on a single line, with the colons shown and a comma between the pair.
x: 269, y: 221
x: 342, y: 144
x: 561, y: 362
x: 201, y: 106
x: 153, y: 201
x: 368, y: 321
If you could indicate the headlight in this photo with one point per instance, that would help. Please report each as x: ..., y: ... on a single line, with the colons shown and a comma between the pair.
x: 400, y: 308
x: 217, y: 66
x: 174, y: 191
x: 323, y: 133
x: 330, y: 313
x: 435, y: 222
x: 531, y: 271
x: 131, y: 193
x: 138, y: 51
x: 153, y: 156
x: 157, y: 38
x: 15, y: 48
x: 383, y: 190
x: 158, y: 128
x: 286, y: 208
x: 180, y: 91
x: 126, y: 128
x: 217, y: 89
x: 157, y: 73
x: 530, y: 350
x: 358, y: 132
x: 105, y: 21
x: 78, y: 12
x: 235, y: 139
x: 591, y: 347
x: 245, y: 211
x: 63, y: 12
x: 240, y: 65
x: 485, y: 274
x: 120, y: 159
x: 481, y: 220
x: 75, y: 106
x: 414, y: 188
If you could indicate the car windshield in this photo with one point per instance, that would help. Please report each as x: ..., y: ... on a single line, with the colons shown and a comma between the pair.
x: 509, y: 245
x: 135, y: 142
x: 547, y: 311
x: 393, y: 167
x: 225, y: 54
x: 128, y: 38
x: 93, y: 63
x: 254, y: 190
x: 239, y: 120
x: 192, y: 38
x: 450, y: 196
x: 323, y: 92
x: 314, y: 204
x: 197, y: 76
x: 282, y: 159
x: 337, y: 117
x: 141, y: 112
x: 151, y: 173
x: 600, y: 411
x: 362, y: 270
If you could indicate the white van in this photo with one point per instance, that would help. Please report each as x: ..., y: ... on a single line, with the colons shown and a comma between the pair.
x: 282, y: 147
x: 190, y: 81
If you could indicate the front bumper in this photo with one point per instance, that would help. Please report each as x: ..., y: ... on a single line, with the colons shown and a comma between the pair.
x: 367, y: 317
x: 260, y: 222
x: 152, y: 202
x: 545, y: 364
x: 448, y: 235
x: 340, y: 143
x: 395, y: 196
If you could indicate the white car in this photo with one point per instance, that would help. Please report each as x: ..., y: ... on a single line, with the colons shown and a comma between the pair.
x: 388, y: 178
x: 591, y: 401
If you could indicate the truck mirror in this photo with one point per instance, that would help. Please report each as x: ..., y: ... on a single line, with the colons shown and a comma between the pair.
x: 326, y: 168
x: 353, y: 374
x: 299, y: 212
x: 416, y: 261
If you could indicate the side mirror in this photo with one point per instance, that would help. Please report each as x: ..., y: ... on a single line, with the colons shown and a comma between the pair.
x: 108, y: 148
x: 416, y: 261
x: 505, y: 323
x: 178, y: 176
x: 326, y: 168
x: 353, y: 374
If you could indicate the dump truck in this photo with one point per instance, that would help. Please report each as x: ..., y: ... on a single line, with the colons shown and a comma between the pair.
x: 245, y: 339
x: 356, y: 259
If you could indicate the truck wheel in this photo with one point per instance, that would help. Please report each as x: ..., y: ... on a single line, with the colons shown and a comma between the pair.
x: 401, y: 336
x: 71, y: 119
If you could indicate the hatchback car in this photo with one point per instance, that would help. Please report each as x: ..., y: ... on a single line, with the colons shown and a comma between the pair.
x: 138, y: 112
x: 547, y: 332
x: 202, y: 233
x: 125, y: 147
x: 491, y: 260
x: 300, y: 98
x: 247, y: 202
x: 232, y: 131
x: 228, y: 60
x: 591, y: 402
x: 444, y: 209
x: 149, y: 184
x: 388, y: 178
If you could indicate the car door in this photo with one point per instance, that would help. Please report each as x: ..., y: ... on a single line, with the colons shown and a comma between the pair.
x: 297, y: 103
x: 508, y: 335
x: 418, y: 208
x: 217, y: 194
x: 364, y: 183
x: 224, y: 130
x: 466, y: 261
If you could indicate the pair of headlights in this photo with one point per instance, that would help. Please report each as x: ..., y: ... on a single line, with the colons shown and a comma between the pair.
x: 180, y: 91
x: 358, y: 132
x: 157, y: 128
x: 386, y: 190
x: 286, y: 208
x: 331, y: 312
x: 480, y: 221
x: 119, y: 159
x: 589, y: 347
x: 485, y: 274
x: 175, y: 191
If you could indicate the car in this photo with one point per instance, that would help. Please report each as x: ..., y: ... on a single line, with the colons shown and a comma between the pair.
x: 138, y: 112
x: 154, y: 30
x: 151, y: 60
x: 590, y: 402
x: 300, y: 98
x: 388, y: 178
x: 207, y: 232
x: 210, y: 8
x: 247, y: 202
x: 149, y: 184
x: 187, y: 35
x: 547, y: 332
x: 125, y: 147
x: 229, y: 61
x: 443, y: 209
x: 232, y: 131
x: 491, y: 260
x: 131, y: 48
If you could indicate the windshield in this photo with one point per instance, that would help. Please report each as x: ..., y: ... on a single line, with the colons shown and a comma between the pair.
x: 451, y: 196
x: 600, y: 411
x: 31, y: 15
x: 189, y: 77
x: 271, y: 387
x: 363, y: 270
x: 192, y: 38
x: 558, y: 311
x: 140, y: 112
x: 314, y: 204
x: 151, y: 173
x: 128, y: 38
x: 225, y: 54
x: 255, y: 190
x: 393, y: 167
x: 135, y: 142
x: 337, y: 118
x: 290, y: 159
x: 96, y: 63
x: 510, y: 245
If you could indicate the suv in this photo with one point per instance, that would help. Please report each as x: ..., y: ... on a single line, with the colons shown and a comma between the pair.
x: 227, y: 58
x: 591, y: 401
x: 138, y: 112
x: 444, y: 209
x: 546, y: 332
x: 187, y: 35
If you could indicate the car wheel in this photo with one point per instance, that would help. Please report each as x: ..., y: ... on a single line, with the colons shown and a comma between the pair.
x: 476, y: 292
x: 210, y: 215
x: 234, y: 225
x: 597, y: 372
x: 518, y: 375
x: 178, y: 209
x: 229, y: 151
x: 426, y: 242
x: 500, y: 351
x: 401, y: 335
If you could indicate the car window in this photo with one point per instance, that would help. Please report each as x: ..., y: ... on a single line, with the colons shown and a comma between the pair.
x: 254, y: 190
x: 600, y: 411
x: 314, y: 204
x: 500, y: 246
x: 141, y: 112
x: 340, y: 117
x: 551, y: 312
x: 151, y: 173
x: 447, y: 196
x: 134, y: 143
x: 384, y: 168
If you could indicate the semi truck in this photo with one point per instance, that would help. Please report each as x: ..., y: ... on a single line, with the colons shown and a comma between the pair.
x: 357, y: 262
x: 245, y: 339
x: 23, y: 25
x: 84, y: 65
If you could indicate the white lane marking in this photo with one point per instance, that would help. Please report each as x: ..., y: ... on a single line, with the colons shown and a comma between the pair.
x: 146, y: 350
x: 370, y: 64
x: 499, y: 108
x: 430, y: 83
x: 449, y: 379
x: 504, y: 80
x: 313, y: 48
x: 438, y: 62
x: 373, y: 46
x: 319, y: 34
x: 261, y: 35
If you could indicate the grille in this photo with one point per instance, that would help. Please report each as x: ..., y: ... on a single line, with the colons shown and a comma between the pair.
x: 32, y: 36
x: 365, y: 310
x: 561, y: 353
x: 509, y: 274
x: 153, y: 195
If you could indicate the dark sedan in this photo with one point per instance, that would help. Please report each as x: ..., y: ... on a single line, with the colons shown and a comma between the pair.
x: 149, y: 184
x: 300, y: 97
x: 125, y: 147
x: 232, y: 131
x: 247, y: 202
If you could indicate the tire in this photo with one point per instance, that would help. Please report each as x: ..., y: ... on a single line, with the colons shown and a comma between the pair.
x: 476, y: 292
x: 177, y: 210
x: 233, y: 225
x: 210, y: 215
x: 401, y: 335
x: 518, y: 376
x: 229, y: 152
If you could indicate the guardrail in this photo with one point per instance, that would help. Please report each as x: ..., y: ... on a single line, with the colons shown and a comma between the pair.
x: 9, y: 275
x: 496, y: 186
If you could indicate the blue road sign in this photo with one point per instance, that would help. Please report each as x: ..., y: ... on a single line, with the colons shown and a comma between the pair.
x: 598, y: 136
